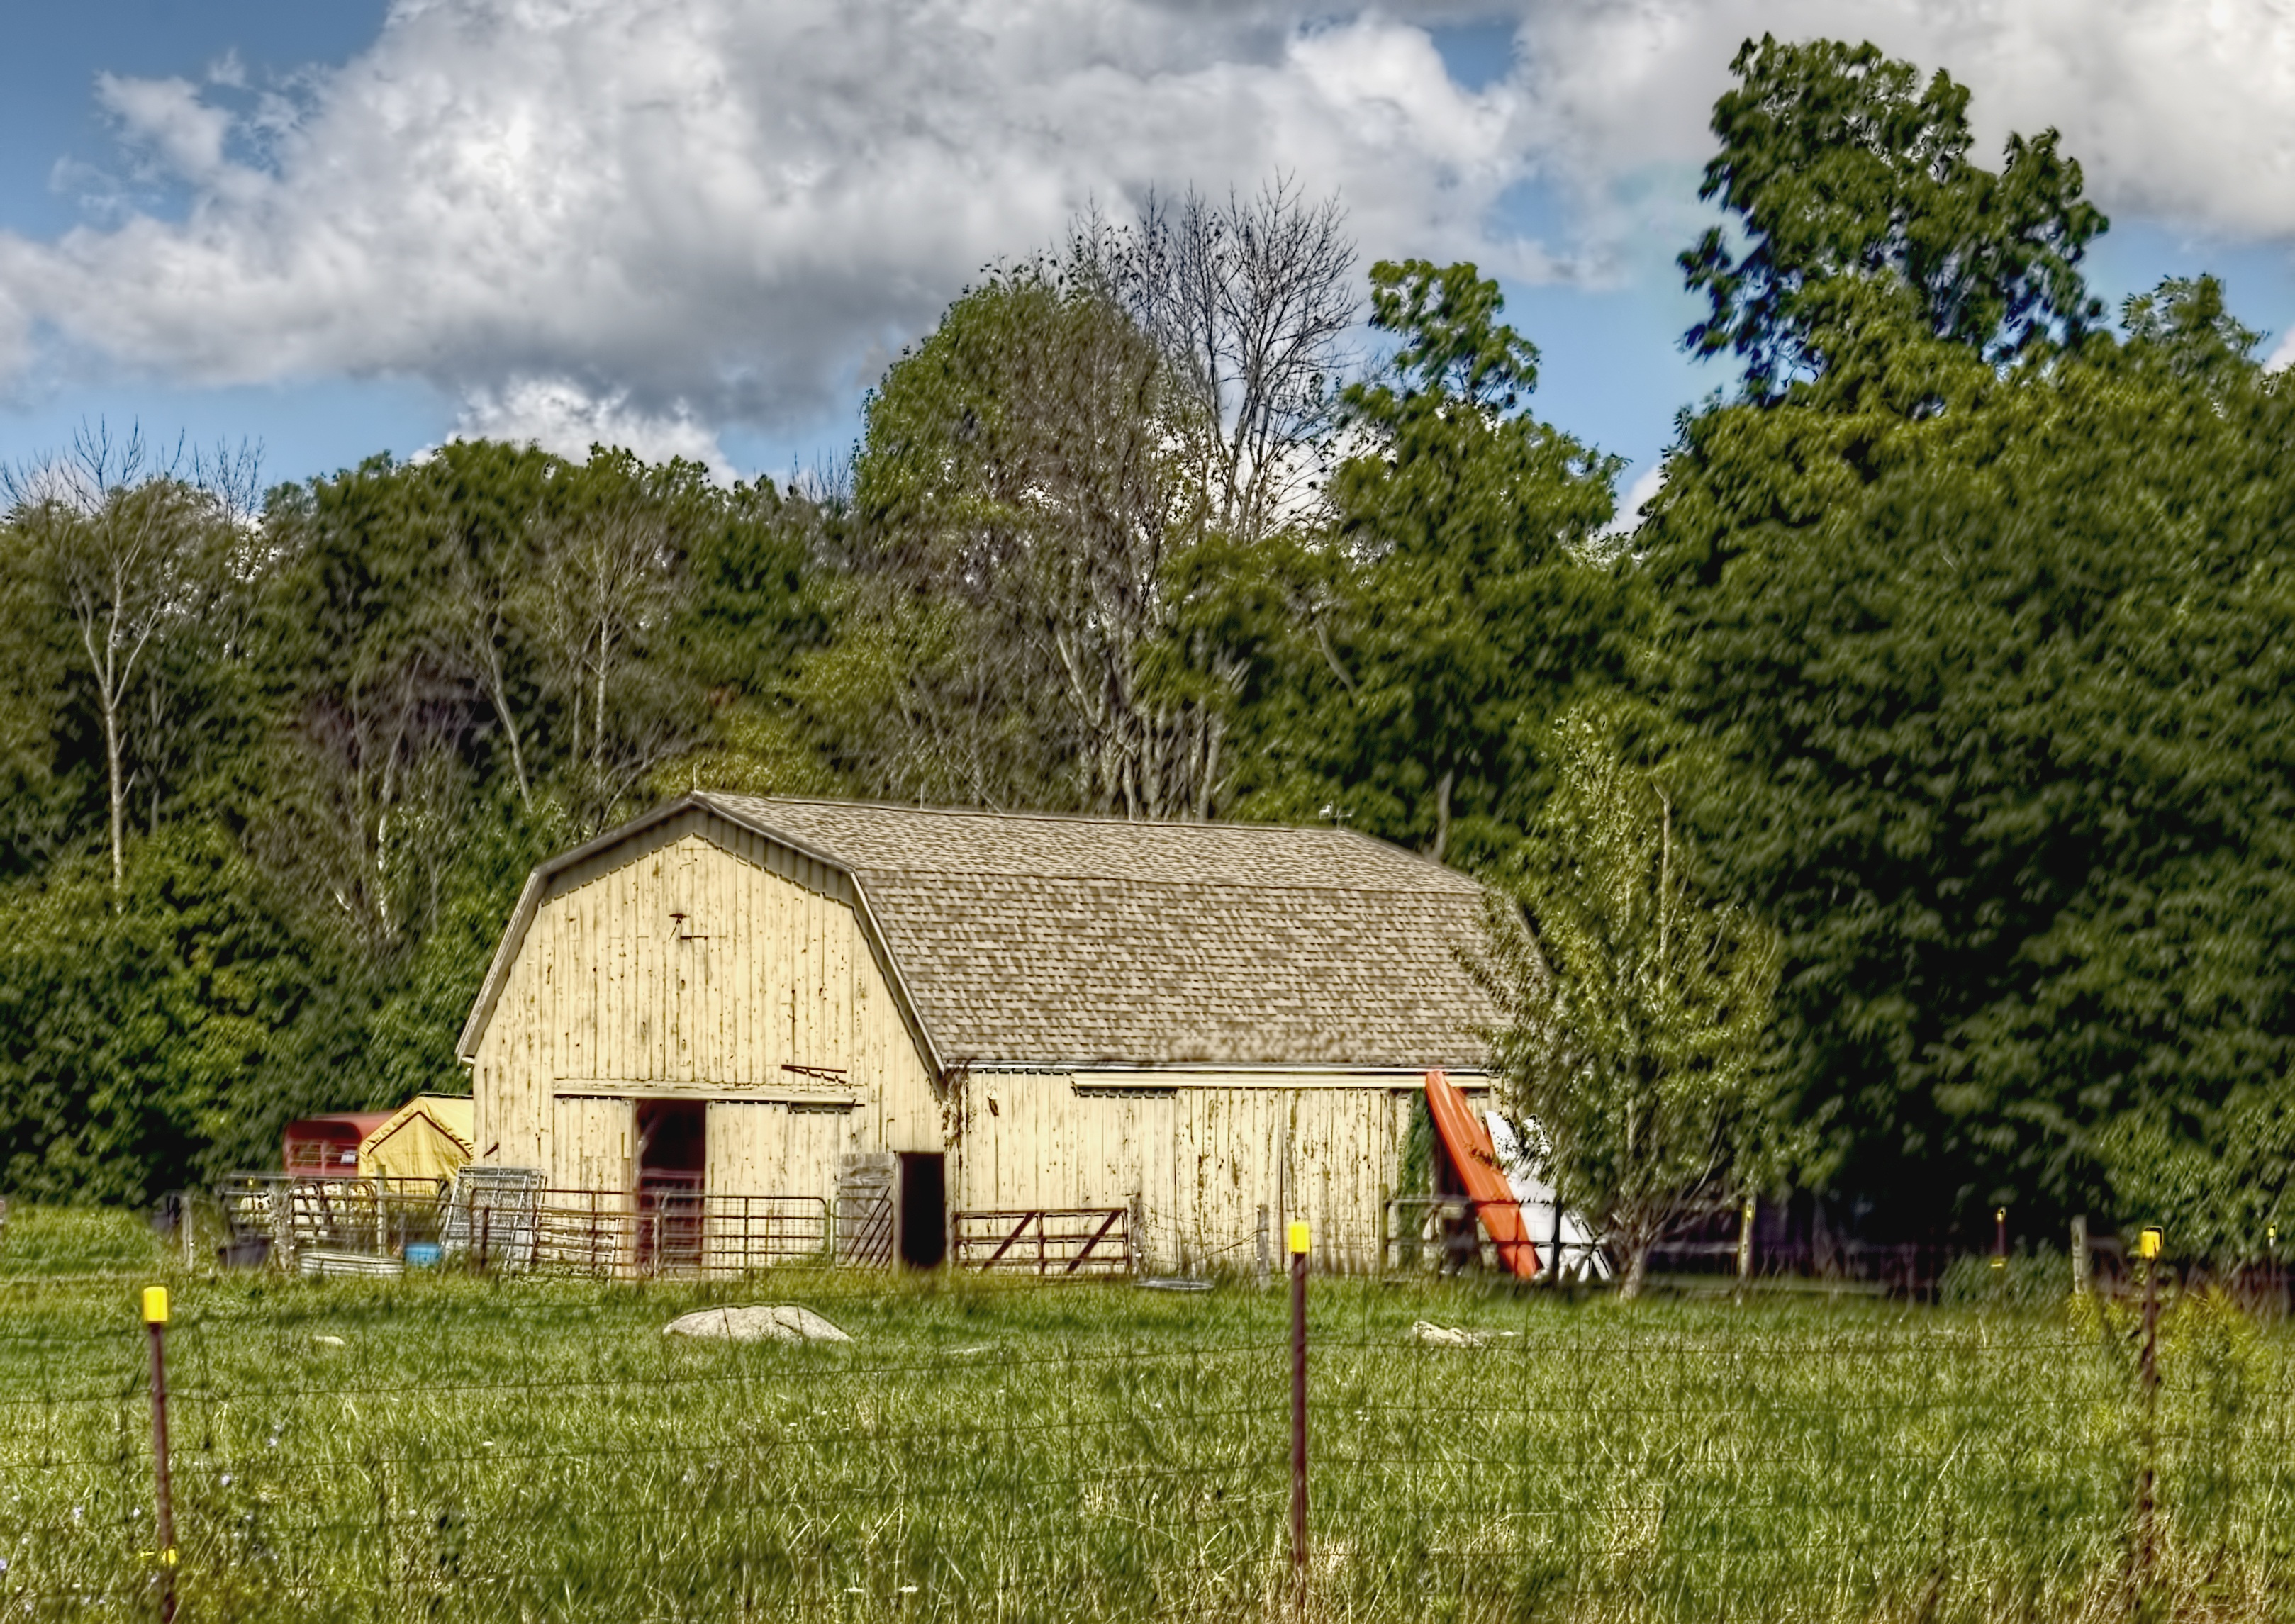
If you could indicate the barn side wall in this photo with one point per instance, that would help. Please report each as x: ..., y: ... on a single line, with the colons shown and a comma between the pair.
x: 699, y: 960
x: 1199, y: 1153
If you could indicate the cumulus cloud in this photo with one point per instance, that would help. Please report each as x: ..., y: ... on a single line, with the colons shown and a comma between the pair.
x: 655, y: 218
x: 563, y: 415
x: 184, y: 135
x: 686, y: 212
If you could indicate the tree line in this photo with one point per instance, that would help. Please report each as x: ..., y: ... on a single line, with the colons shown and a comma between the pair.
x: 1896, y: 811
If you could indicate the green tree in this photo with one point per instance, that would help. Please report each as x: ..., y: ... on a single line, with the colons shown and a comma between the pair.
x: 1979, y: 605
x: 2001, y: 691
x: 1461, y: 596
x: 1020, y: 496
x: 138, y: 565
x: 1856, y: 203
x: 1634, y: 1008
x: 159, y: 1039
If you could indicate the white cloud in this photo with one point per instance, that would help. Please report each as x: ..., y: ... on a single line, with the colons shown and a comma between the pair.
x: 661, y: 218
x: 704, y: 211
x: 185, y: 136
x: 560, y: 415
x: 1638, y: 495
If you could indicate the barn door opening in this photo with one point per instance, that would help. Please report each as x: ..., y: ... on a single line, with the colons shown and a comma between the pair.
x: 1451, y: 1224
x: 924, y: 1211
x: 673, y: 1155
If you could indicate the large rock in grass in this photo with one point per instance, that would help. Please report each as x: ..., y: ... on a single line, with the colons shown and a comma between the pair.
x: 758, y: 1323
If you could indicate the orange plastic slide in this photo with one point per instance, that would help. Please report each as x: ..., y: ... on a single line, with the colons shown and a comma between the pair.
x: 1468, y: 1141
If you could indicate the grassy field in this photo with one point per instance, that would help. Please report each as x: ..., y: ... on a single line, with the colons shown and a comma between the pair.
x: 446, y: 1447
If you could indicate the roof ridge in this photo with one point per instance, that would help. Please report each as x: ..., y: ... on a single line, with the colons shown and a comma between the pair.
x: 1223, y: 884
x: 1099, y: 819
x: 1054, y: 816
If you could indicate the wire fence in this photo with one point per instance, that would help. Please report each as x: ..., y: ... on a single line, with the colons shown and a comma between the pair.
x: 465, y: 1447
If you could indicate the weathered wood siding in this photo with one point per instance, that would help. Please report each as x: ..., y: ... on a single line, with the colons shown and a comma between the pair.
x: 769, y: 1148
x: 700, y: 958
x: 1200, y: 1153
x: 591, y: 1145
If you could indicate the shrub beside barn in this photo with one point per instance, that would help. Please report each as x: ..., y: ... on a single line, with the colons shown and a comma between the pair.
x: 987, y: 1012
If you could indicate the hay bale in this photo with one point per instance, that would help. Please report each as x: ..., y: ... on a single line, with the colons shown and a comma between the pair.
x: 758, y: 1322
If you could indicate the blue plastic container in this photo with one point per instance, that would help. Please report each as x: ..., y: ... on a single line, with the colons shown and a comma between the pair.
x: 423, y: 1254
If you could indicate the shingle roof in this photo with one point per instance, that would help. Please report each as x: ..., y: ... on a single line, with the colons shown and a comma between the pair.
x: 1028, y: 937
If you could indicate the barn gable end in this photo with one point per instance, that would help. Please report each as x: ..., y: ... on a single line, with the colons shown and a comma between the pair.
x: 692, y: 959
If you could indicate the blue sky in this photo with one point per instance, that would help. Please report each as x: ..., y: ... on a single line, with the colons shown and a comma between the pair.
x: 335, y: 231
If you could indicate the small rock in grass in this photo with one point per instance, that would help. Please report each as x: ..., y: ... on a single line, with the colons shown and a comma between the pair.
x: 1446, y: 1336
x: 328, y: 1341
x: 759, y: 1322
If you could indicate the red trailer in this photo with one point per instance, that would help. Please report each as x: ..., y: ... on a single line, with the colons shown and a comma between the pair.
x: 327, y: 1147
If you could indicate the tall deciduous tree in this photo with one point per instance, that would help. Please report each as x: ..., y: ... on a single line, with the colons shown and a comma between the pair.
x: 1634, y: 1006
x: 1017, y: 503
x: 1998, y: 686
x: 1251, y: 301
x: 136, y: 554
x: 607, y: 587
x: 1459, y: 599
x: 1856, y: 202
x: 1982, y: 610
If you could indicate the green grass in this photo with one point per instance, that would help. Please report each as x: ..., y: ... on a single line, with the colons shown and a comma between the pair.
x: 481, y: 1449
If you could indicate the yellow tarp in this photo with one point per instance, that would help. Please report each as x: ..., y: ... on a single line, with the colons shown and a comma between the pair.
x: 429, y: 1137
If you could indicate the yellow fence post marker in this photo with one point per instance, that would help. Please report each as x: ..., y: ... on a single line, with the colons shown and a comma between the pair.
x: 155, y: 1321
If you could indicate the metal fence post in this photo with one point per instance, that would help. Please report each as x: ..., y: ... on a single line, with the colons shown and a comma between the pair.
x: 2149, y: 1247
x: 2080, y: 1256
x: 155, y: 1320
x: 1298, y: 1239
x: 1745, y: 1248
x: 1263, y: 1247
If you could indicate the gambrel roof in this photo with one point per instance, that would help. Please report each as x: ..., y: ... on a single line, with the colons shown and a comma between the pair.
x: 1022, y: 938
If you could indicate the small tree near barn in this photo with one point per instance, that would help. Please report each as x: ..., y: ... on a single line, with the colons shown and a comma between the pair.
x: 1633, y: 1011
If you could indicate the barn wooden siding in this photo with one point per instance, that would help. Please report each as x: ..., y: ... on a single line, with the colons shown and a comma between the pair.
x: 1200, y: 1152
x: 700, y: 959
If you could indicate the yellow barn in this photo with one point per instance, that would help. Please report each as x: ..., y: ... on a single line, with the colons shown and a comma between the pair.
x: 978, y: 1020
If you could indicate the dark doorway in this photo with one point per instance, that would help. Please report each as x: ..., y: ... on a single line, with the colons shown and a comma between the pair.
x: 924, y: 1212
x: 1454, y: 1223
x: 673, y: 1155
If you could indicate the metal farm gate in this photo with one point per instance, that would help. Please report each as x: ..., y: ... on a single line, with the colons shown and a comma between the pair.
x: 1047, y: 1241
